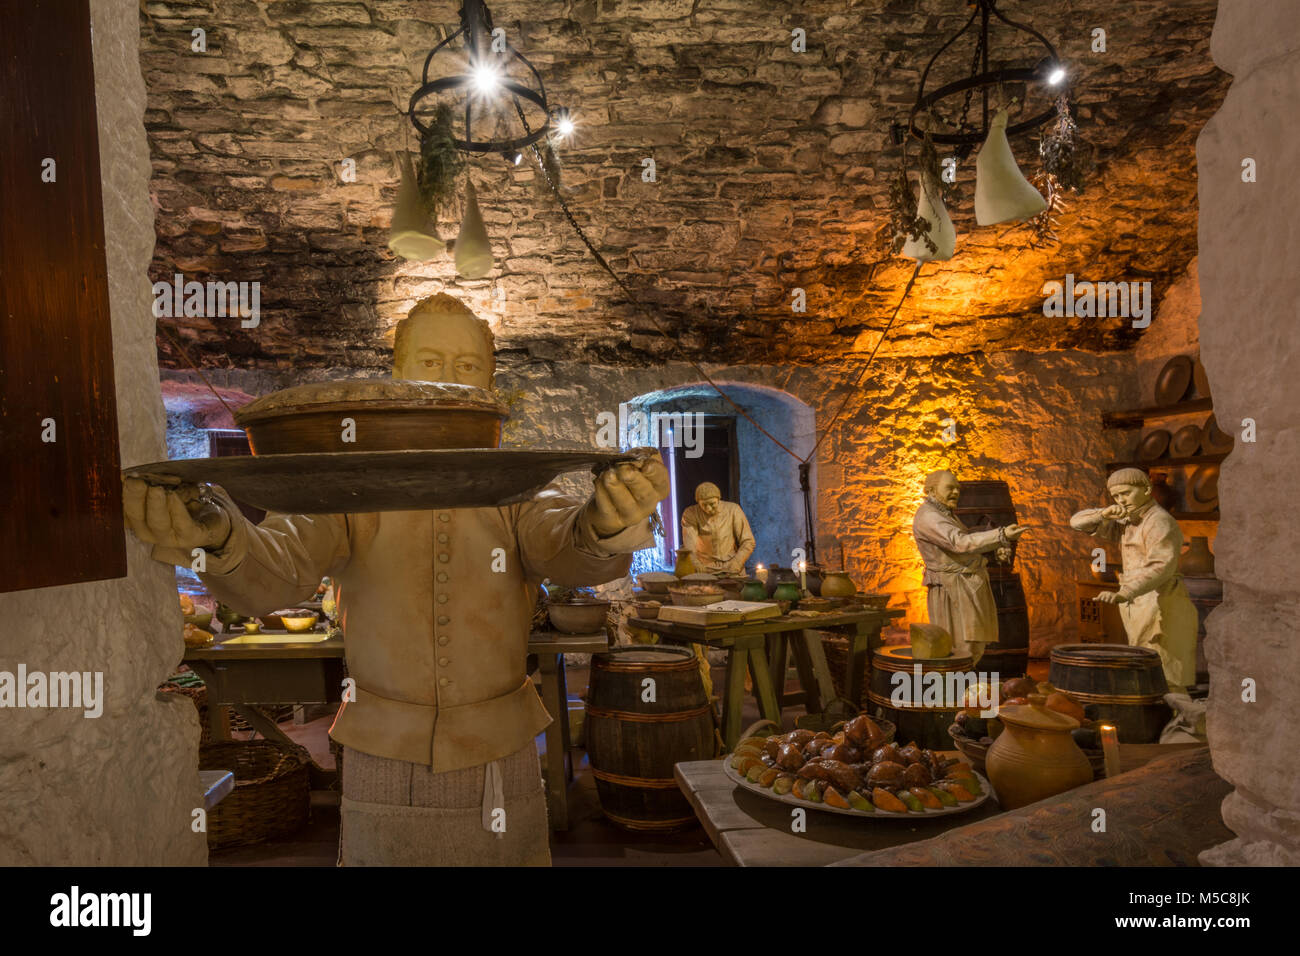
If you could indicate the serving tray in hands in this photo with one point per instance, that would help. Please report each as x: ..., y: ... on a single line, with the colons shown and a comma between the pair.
x: 789, y: 798
x: 362, y: 481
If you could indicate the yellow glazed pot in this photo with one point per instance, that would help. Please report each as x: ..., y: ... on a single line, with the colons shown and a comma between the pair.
x: 837, y: 584
x: 1035, y: 757
x: 684, y: 564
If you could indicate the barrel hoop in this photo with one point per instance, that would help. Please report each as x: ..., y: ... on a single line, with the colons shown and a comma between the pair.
x: 1127, y: 665
x: 666, y: 718
x: 643, y: 783
x: 630, y: 824
x: 642, y: 667
x: 908, y: 708
x: 1086, y: 697
x: 905, y: 666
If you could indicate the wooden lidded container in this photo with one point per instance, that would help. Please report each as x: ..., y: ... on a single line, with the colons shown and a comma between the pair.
x: 1127, y: 685
x: 384, y: 414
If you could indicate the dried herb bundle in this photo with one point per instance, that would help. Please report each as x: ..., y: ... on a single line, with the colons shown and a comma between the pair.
x: 441, y: 163
x: 1065, y: 157
x: 904, y: 224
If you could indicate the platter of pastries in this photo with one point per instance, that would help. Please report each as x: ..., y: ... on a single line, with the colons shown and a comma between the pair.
x: 857, y: 772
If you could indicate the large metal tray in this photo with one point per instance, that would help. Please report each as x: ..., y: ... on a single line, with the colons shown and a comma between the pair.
x: 355, y: 482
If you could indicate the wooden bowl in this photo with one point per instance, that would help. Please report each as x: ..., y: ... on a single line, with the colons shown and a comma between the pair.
x: 697, y: 596
x: 877, y: 602
x: 578, y: 617
x: 386, y: 415
x: 646, y: 609
x: 656, y: 582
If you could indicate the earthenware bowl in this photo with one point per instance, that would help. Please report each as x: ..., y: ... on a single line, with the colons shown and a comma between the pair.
x: 578, y: 617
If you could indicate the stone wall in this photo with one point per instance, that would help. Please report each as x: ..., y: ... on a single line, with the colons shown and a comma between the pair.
x: 1249, y: 286
x: 118, y: 789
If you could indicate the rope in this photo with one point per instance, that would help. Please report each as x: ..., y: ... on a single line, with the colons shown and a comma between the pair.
x: 186, y: 355
x: 568, y: 214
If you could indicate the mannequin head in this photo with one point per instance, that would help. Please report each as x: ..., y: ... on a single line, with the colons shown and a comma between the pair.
x: 441, y: 340
x: 708, y: 497
x: 1130, y: 488
x: 942, y: 486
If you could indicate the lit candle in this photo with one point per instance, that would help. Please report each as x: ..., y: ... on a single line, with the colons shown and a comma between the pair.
x: 1110, y: 747
x: 762, y: 573
x: 803, y: 575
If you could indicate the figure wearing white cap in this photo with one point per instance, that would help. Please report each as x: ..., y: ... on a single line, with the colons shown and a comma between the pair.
x: 1153, y: 602
x: 716, y: 532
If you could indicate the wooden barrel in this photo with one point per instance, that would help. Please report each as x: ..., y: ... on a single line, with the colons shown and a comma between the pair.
x: 1127, y: 685
x: 984, y: 505
x: 646, y: 711
x: 927, y: 724
x: 1009, y: 655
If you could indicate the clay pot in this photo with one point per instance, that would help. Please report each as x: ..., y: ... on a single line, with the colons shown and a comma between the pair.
x: 778, y: 575
x: 684, y: 564
x: 754, y: 590
x: 813, y: 575
x: 788, y: 591
x: 1197, y: 559
x: 1035, y: 757
x: 837, y: 584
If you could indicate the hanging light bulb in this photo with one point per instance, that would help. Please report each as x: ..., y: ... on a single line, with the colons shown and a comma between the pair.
x: 486, y: 79
x: 411, y: 236
x: 1002, y: 193
x: 929, y: 206
x: 473, y: 249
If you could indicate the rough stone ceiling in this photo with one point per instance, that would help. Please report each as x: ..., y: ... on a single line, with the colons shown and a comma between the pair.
x: 773, y: 173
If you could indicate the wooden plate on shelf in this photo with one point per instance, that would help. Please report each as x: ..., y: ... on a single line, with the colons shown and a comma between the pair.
x: 363, y: 481
x: 1185, y: 442
x: 1152, y: 445
x: 1203, y: 488
x: 1174, y: 380
x: 1200, y: 379
x: 1214, y: 440
x: 789, y: 798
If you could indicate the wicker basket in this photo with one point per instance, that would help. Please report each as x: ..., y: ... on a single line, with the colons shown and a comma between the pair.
x: 272, y: 793
x: 199, y: 695
x: 837, y: 661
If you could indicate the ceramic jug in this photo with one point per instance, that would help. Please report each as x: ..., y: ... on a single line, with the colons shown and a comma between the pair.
x: 1197, y: 559
x: 1035, y: 757
x: 684, y: 565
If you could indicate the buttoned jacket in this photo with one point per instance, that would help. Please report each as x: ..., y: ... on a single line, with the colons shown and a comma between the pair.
x: 436, y: 608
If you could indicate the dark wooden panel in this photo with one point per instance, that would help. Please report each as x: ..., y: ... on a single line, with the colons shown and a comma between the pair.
x: 61, y: 500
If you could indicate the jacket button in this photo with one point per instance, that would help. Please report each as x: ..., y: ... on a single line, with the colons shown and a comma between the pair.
x: 444, y: 557
x: 443, y: 662
x: 442, y: 599
x: 444, y: 619
x: 443, y: 682
x: 443, y: 639
x: 442, y: 577
x: 443, y: 539
x: 443, y: 516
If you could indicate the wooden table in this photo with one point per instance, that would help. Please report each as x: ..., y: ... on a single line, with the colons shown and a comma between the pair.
x: 550, y: 648
x: 762, y: 648
x: 243, y: 676
x: 749, y: 830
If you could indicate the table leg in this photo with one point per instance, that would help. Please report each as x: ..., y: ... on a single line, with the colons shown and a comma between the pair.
x: 860, y: 650
x: 812, y: 642
x: 769, y: 706
x: 812, y: 696
x: 778, y: 652
x: 556, y: 705
x: 733, y: 696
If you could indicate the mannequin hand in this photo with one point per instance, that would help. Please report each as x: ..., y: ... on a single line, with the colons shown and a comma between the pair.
x: 626, y: 494
x: 1110, y: 597
x: 1114, y: 512
x: 1003, y: 554
x: 1014, y: 531
x: 173, y: 517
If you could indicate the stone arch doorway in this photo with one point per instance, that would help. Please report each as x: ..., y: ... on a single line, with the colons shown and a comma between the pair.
x: 721, y: 445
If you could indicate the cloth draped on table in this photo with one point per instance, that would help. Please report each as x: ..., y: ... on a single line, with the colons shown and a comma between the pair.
x: 396, y: 813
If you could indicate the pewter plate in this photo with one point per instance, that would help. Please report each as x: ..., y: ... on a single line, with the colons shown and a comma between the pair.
x: 789, y: 798
x: 356, y: 482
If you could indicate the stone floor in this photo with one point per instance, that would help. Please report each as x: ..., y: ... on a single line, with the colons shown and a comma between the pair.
x: 591, y: 840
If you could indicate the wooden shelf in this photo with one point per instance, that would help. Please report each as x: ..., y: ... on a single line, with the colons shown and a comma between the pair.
x: 1136, y: 417
x: 1196, y: 515
x: 1159, y: 463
